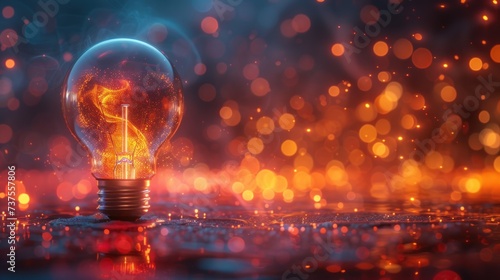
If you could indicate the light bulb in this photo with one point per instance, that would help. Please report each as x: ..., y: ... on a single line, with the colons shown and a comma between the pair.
x: 123, y: 99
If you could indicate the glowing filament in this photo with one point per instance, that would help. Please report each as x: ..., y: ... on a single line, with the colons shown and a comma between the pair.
x: 124, y: 168
x: 125, y: 128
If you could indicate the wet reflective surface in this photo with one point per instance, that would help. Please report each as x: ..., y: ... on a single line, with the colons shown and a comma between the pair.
x: 177, y: 241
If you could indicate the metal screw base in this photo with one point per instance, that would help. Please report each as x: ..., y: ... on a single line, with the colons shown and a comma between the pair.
x: 121, y: 199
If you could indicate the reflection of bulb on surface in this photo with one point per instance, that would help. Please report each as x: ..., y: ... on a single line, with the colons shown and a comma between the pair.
x: 125, y: 267
x: 124, y: 256
x: 122, y: 100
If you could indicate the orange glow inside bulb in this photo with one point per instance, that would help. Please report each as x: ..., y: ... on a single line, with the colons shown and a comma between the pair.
x: 123, y: 101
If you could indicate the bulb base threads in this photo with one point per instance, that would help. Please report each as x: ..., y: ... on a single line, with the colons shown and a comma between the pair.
x: 122, y: 199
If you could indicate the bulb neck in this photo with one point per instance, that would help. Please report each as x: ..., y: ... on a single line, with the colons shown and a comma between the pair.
x: 123, y: 199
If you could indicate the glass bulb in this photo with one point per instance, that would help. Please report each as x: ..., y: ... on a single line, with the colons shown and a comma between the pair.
x: 123, y: 99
